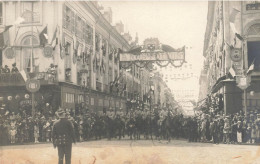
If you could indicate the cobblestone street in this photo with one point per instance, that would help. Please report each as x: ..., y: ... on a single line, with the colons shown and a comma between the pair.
x: 134, y: 152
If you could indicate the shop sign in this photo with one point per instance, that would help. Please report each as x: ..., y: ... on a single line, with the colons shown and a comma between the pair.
x: 236, y: 54
x: 33, y: 85
x: 243, y: 81
x: 27, y: 102
x: 253, y: 5
x: 47, y: 51
x: 150, y: 56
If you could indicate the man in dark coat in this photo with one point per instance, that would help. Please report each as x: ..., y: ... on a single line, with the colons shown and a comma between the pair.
x: 62, y: 136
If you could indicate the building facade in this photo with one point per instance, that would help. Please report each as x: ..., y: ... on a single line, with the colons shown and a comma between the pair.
x: 70, y: 47
x: 231, y: 46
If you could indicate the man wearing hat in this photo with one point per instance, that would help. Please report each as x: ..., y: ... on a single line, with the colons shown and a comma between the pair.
x: 6, y: 69
x: 62, y: 136
x: 14, y: 69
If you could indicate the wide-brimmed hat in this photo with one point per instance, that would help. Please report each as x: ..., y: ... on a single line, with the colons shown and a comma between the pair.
x: 61, y: 112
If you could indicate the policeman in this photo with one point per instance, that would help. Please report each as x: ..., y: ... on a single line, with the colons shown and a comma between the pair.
x: 63, y: 135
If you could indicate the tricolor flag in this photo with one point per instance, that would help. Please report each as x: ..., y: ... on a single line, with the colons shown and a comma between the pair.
x: 24, y: 75
x: 4, y: 37
x: 233, y: 15
x: 55, y: 38
x: 19, y: 20
x: 251, y: 68
x: 44, y: 36
x: 232, y: 71
x: 232, y: 18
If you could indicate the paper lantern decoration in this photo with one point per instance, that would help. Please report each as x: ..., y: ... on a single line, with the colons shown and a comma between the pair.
x: 27, y: 96
x: 9, y: 98
x: 17, y: 97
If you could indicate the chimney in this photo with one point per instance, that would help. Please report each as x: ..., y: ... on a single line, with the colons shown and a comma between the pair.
x: 120, y: 27
x: 108, y: 15
x: 127, y: 37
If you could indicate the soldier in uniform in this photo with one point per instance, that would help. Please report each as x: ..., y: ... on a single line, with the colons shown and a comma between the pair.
x: 63, y: 136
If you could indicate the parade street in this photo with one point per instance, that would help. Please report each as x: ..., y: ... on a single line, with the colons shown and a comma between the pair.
x: 134, y: 152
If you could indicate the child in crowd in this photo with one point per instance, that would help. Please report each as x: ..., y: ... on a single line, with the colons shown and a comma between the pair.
x: 13, y: 132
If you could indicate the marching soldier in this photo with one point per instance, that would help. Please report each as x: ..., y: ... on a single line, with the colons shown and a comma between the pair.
x: 63, y: 136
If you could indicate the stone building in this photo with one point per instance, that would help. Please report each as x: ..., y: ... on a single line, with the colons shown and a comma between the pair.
x: 231, y: 46
x: 70, y: 47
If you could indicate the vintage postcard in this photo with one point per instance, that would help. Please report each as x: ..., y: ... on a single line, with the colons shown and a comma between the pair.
x: 129, y: 82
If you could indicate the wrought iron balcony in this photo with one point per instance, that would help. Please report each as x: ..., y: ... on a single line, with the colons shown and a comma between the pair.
x: 16, y: 79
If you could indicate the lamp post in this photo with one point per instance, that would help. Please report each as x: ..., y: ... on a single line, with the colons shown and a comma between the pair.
x: 151, y: 91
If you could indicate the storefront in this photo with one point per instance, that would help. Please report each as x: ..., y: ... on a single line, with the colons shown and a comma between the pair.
x: 13, y: 95
x: 101, y: 102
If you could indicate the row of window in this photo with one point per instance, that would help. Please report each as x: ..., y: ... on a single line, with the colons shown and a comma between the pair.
x: 75, y: 23
x: 70, y: 98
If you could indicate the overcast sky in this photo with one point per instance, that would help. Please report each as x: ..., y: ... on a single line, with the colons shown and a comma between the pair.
x: 176, y: 23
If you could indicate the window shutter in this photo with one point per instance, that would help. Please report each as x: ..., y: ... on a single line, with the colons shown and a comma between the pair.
x: 64, y: 16
x: 84, y: 31
x: 72, y: 22
x: 77, y: 25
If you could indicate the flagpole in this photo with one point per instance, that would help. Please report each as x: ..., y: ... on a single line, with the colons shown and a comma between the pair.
x: 31, y: 70
x: 242, y: 49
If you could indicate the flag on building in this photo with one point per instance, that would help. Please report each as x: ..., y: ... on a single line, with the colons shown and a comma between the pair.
x: 233, y: 15
x: 19, y: 20
x: 4, y: 37
x: 239, y: 37
x: 44, y: 36
x: 232, y: 72
x: 24, y: 75
x: 232, y: 18
x: 251, y: 68
x: 55, y: 38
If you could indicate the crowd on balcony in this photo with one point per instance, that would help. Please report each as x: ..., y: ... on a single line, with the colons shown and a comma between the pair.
x: 6, y: 69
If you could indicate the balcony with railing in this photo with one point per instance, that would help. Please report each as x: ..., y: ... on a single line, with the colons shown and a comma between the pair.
x: 17, y: 79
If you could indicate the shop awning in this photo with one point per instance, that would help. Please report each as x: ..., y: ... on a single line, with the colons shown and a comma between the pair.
x: 220, y: 83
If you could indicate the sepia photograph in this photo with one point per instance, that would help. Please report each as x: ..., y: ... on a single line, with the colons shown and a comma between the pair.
x: 129, y: 82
